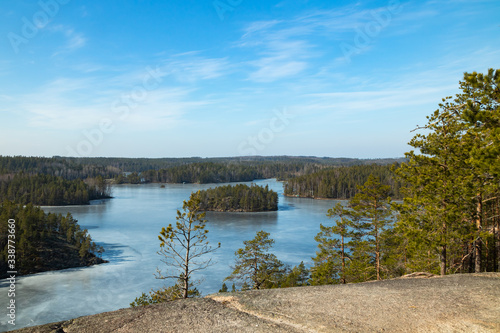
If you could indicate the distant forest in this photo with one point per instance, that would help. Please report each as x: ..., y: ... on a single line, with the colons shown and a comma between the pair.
x: 43, y: 241
x: 47, y: 190
x: 341, y: 182
x: 239, y: 198
x: 71, y: 181
x: 281, y: 167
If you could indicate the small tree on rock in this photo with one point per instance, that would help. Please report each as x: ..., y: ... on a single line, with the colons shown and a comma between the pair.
x: 255, y: 266
x: 184, y: 245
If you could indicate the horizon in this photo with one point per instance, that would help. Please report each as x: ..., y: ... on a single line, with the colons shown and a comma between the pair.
x: 233, y: 78
x: 215, y: 157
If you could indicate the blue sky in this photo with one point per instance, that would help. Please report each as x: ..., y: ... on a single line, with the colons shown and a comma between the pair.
x: 232, y: 77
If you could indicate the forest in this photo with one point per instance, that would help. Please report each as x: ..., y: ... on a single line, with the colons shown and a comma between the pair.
x: 177, y: 170
x: 43, y: 241
x: 239, y: 198
x: 341, y: 182
x: 47, y: 190
x: 74, y: 181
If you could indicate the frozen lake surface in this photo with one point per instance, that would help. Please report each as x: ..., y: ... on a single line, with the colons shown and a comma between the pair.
x: 128, y: 225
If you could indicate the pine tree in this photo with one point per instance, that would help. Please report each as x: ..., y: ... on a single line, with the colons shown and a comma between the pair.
x: 454, y: 175
x: 223, y: 289
x: 184, y: 245
x: 254, y: 265
x: 330, y: 260
x: 371, y: 208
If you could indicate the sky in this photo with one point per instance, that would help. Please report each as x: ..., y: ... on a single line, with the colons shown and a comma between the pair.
x: 207, y: 78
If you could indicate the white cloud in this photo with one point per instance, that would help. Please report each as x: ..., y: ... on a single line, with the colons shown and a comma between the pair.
x: 259, y: 26
x: 77, y: 104
x: 74, y: 40
x: 189, y: 68
x: 274, y: 68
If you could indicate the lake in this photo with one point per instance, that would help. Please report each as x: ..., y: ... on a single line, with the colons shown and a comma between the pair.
x: 128, y: 225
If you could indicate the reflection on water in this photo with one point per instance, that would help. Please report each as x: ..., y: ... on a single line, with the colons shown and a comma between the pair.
x: 128, y: 225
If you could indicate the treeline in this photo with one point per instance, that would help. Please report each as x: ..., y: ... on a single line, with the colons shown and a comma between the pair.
x: 47, y: 190
x: 41, y: 242
x: 340, y: 182
x: 241, y: 197
x: 209, y: 172
x: 140, y: 165
x: 70, y: 180
x: 177, y: 170
x: 67, y: 168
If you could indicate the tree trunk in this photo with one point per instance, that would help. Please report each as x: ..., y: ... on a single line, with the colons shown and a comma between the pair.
x: 478, y: 241
x: 443, y: 260
x: 377, y: 253
x: 443, y: 251
x: 343, y: 260
x: 256, y: 284
x: 497, y: 238
x: 186, y: 266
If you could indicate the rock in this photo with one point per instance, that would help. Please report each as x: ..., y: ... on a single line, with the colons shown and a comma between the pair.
x: 453, y: 303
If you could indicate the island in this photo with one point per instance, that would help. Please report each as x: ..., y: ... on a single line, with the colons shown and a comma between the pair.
x: 36, y: 241
x: 239, y: 198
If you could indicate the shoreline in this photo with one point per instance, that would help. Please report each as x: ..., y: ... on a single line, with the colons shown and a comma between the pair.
x: 312, y: 198
x: 98, y: 260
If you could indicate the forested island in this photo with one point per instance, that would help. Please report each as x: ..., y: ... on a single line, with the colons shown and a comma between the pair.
x: 239, y: 198
x: 43, y: 241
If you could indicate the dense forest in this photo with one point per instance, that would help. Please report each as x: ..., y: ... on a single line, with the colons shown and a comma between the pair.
x: 219, y: 171
x: 209, y: 172
x: 47, y: 190
x: 340, y: 182
x: 67, y: 168
x: 43, y: 241
x: 177, y: 170
x: 70, y: 180
x: 239, y: 198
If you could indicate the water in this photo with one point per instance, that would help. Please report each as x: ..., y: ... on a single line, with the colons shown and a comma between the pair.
x: 128, y: 225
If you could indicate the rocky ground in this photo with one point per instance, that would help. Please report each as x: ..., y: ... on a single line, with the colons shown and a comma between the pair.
x: 454, y: 303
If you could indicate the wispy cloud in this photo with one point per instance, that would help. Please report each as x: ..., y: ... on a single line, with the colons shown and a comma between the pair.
x: 76, y: 104
x: 74, y: 40
x: 275, y: 68
x: 286, y: 48
x: 192, y: 68
x: 277, y: 54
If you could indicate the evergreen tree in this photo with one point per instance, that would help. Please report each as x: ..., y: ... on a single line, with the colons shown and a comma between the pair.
x: 330, y: 260
x: 223, y: 289
x: 453, y: 176
x: 184, y: 245
x: 254, y: 265
x: 371, y: 208
x: 351, y: 249
x: 298, y: 276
